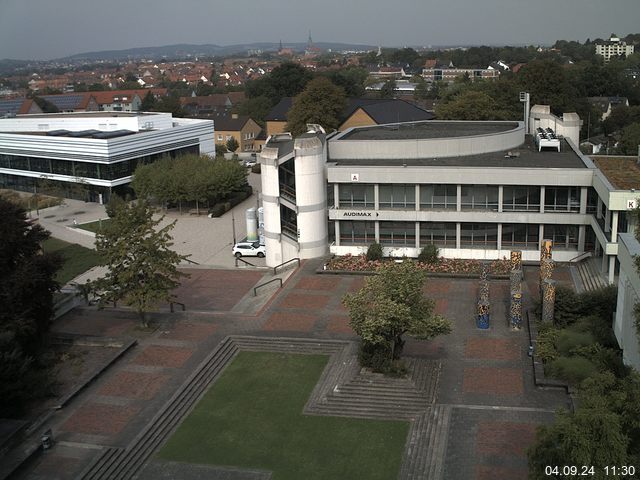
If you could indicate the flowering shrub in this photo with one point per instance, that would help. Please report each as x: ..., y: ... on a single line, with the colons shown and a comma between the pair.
x: 359, y: 263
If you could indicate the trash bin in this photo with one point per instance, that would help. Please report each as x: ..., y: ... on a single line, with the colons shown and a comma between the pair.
x: 47, y: 440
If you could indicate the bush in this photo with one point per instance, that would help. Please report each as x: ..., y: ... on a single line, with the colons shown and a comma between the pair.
x: 569, y: 342
x: 570, y: 306
x: 572, y: 369
x: 217, y: 210
x: 374, y: 252
x: 546, y: 344
x: 256, y: 168
x: 428, y: 254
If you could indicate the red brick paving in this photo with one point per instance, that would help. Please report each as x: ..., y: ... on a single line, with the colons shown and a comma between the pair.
x: 296, y: 322
x: 424, y: 348
x: 99, y: 419
x: 356, y: 284
x: 162, y: 356
x: 486, y: 472
x: 493, y: 381
x: 339, y: 324
x: 134, y: 385
x: 492, y: 349
x: 299, y: 300
x: 217, y: 290
x: 191, y: 332
x: 327, y: 282
x: 57, y: 466
x: 505, y: 438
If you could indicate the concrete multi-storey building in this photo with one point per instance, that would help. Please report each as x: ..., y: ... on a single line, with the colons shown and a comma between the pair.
x: 98, y: 150
x: 614, y: 47
x: 474, y: 189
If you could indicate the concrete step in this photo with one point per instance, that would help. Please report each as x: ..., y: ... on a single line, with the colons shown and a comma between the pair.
x: 437, y: 443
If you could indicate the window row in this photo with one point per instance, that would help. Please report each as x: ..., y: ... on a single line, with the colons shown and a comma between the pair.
x: 102, y: 171
x: 472, y: 197
x: 444, y: 234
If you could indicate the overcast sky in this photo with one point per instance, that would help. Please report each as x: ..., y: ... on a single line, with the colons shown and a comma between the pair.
x: 46, y: 29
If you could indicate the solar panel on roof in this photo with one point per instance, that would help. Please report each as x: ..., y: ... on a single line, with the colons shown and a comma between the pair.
x: 58, y: 133
x: 64, y: 102
x: 12, y: 106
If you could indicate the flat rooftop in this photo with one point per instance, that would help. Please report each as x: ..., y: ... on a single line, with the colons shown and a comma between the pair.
x: 86, y: 115
x: 525, y: 156
x: 622, y: 172
x: 428, y: 130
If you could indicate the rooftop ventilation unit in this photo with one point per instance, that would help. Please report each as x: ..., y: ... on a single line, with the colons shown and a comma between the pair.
x: 547, y: 139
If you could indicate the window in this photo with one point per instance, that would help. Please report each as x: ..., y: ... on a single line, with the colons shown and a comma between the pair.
x: 520, y: 235
x: 479, y: 197
x: 521, y: 198
x: 439, y: 234
x: 479, y: 235
x: 438, y: 197
x: 357, y: 233
x: 564, y: 237
x: 398, y: 233
x: 592, y: 200
x: 562, y: 199
x: 220, y: 138
x: 356, y: 196
x: 397, y: 196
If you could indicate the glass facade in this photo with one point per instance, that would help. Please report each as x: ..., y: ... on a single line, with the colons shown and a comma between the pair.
x: 98, y: 171
x: 562, y: 199
x: 357, y: 233
x: 438, y: 197
x: 479, y: 235
x: 439, y: 234
x: 401, y: 234
x: 357, y: 196
x: 564, y: 237
x: 479, y: 197
x: 520, y: 199
x: 397, y: 196
x: 520, y: 235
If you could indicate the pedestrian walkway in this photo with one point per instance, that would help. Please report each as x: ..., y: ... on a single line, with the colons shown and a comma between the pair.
x: 470, y: 395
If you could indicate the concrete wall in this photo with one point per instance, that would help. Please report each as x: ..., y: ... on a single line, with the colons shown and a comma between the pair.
x: 567, y: 126
x: 428, y: 148
x: 628, y: 296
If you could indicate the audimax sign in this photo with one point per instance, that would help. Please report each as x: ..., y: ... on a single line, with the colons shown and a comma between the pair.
x: 359, y: 214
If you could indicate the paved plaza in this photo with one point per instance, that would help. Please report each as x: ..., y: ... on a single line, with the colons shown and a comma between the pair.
x: 480, y: 387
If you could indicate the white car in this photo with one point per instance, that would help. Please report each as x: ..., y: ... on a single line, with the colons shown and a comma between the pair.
x: 248, y: 249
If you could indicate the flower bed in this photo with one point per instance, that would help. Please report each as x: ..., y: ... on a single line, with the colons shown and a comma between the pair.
x: 359, y: 263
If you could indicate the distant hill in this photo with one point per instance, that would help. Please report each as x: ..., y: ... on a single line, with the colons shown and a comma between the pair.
x: 185, y: 50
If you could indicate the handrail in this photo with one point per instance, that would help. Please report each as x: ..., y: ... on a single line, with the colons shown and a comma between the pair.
x: 285, y: 263
x: 255, y: 289
x: 579, y: 257
x: 191, y: 261
x: 243, y: 261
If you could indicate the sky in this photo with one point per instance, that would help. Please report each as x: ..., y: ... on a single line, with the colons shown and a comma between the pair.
x: 48, y: 29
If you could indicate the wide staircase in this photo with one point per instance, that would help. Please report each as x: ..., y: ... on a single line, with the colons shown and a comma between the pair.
x: 588, y: 274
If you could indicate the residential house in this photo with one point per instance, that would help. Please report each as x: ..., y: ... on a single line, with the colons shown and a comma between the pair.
x: 211, y: 105
x: 614, y: 47
x: 241, y: 127
x: 450, y: 73
x: 607, y: 104
x: 18, y: 106
x: 74, y: 102
x: 125, y: 100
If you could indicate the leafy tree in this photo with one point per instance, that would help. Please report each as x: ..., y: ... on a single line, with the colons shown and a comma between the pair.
x: 630, y: 139
x: 232, y: 145
x: 171, y: 104
x: 142, y: 268
x: 26, y: 295
x: 352, y: 79
x: 321, y: 102
x: 45, y: 105
x: 257, y: 108
x: 549, y: 84
x: 388, y: 89
x: 471, y: 105
x: 286, y: 80
x: 390, y: 305
x: 148, y: 103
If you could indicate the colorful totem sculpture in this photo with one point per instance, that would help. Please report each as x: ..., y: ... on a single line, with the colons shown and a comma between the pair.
x: 482, y: 320
x: 548, y: 300
x: 515, y: 310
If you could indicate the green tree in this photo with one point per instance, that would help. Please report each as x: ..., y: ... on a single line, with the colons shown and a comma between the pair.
x: 390, y: 305
x: 630, y: 139
x: 45, y: 105
x: 232, y: 145
x: 148, y: 103
x: 142, y: 268
x: 27, y: 286
x: 352, y: 79
x: 286, y: 80
x: 388, y: 89
x: 321, y: 102
x: 470, y: 105
x: 256, y: 108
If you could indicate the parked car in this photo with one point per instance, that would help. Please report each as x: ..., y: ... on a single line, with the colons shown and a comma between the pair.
x: 250, y: 162
x: 249, y: 249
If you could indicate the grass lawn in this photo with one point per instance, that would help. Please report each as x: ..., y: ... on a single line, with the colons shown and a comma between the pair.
x: 93, y: 226
x: 252, y: 418
x: 76, y: 259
